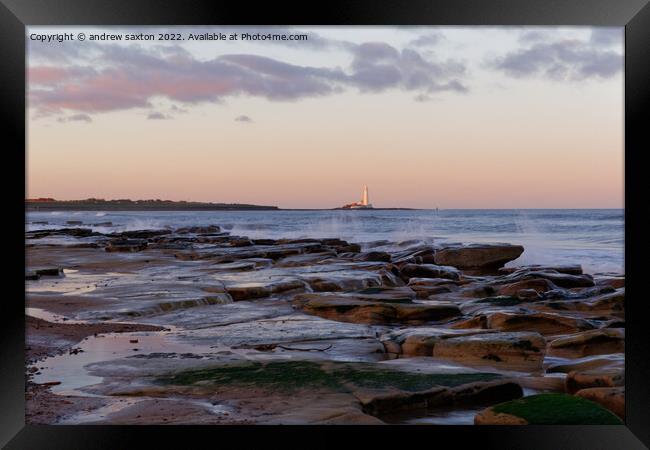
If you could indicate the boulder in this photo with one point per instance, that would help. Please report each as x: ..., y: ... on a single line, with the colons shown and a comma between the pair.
x: 612, y: 398
x: 587, y: 343
x: 520, y: 349
x: 409, y: 271
x: 478, y: 256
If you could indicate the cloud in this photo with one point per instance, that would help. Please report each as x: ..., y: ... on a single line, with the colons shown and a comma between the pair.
x: 568, y: 59
x: 426, y: 40
x: 378, y: 66
x: 76, y: 118
x: 127, y: 77
x: 176, y: 109
x: 155, y: 115
x: 243, y: 118
x: 607, y: 36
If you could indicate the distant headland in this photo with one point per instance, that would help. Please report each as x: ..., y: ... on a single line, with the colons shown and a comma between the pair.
x: 97, y: 204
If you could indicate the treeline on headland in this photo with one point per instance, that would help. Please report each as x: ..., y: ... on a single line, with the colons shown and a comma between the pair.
x: 95, y: 204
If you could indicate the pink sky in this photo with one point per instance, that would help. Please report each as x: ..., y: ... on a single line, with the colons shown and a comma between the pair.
x: 427, y: 117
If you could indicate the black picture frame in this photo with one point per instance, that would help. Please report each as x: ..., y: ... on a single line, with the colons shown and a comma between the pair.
x: 634, y: 15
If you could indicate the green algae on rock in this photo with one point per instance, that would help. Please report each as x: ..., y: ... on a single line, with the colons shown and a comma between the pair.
x: 292, y: 375
x: 557, y: 409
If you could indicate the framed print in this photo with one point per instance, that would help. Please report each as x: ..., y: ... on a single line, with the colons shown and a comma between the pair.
x: 364, y: 218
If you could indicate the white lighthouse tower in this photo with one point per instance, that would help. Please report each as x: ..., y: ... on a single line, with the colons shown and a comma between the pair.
x: 363, y: 204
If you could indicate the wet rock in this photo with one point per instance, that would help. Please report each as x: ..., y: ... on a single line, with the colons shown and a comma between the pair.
x: 571, y: 269
x: 377, y: 403
x: 140, y: 234
x: 559, y: 279
x: 547, y: 409
x: 599, y: 377
x: 265, y: 241
x: 126, y: 245
x: 342, y: 282
x: 611, y: 398
x: 373, y: 256
x: 103, y: 224
x: 539, y: 285
x: 347, y: 309
x: 521, y: 349
x: 593, y: 342
x: 409, y: 271
x: 611, y: 302
x: 389, y: 279
x: 485, y: 393
x: 422, y: 254
x: 612, y: 361
x: 49, y: 272
x: 478, y: 256
x: 420, y: 341
x: 31, y: 275
x: 544, y: 323
x: 234, y: 266
x: 240, y: 242
x: 74, y: 232
x: 426, y: 287
x: 73, y: 222
x: 351, y: 248
x: 615, y: 282
x: 307, y: 259
x: 199, y: 230
x: 250, y: 291
x: 478, y: 321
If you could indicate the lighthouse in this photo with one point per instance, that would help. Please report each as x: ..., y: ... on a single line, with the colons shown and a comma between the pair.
x: 363, y: 204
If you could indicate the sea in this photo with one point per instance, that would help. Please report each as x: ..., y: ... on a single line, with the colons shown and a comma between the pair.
x: 593, y: 238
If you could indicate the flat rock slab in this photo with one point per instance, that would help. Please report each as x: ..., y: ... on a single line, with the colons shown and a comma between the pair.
x: 420, y: 341
x: 250, y: 291
x: 377, y: 312
x: 587, y: 343
x: 478, y: 256
x: 409, y: 271
x: 562, y: 280
x: 544, y: 323
x: 616, y: 360
x: 523, y: 349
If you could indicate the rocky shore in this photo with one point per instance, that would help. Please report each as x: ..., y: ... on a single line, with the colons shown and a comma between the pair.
x: 195, y: 325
